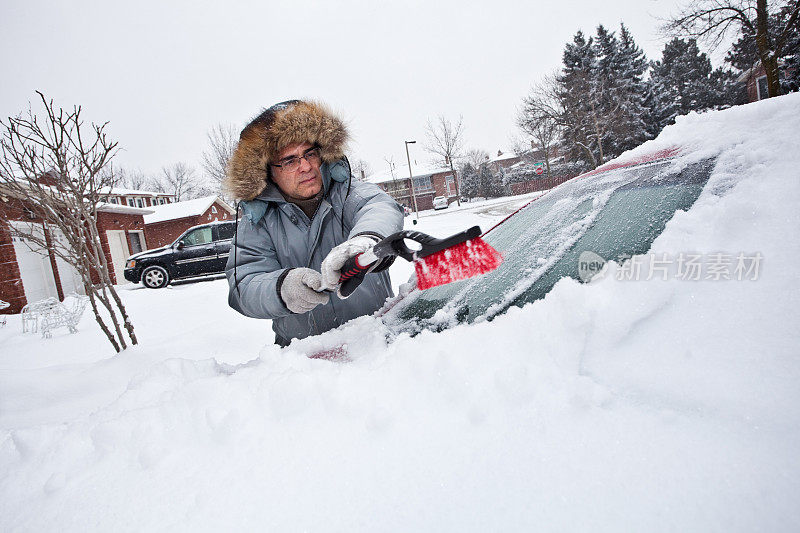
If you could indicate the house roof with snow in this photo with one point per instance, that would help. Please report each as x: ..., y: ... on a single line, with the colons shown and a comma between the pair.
x: 184, y: 209
x: 131, y: 192
x: 401, y: 172
x: 502, y: 156
x: 107, y: 207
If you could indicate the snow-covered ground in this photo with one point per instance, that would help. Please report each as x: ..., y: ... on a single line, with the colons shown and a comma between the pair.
x: 633, y: 406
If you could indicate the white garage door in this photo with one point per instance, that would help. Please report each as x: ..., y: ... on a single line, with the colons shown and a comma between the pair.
x: 118, y: 245
x: 34, y: 264
x: 70, y: 279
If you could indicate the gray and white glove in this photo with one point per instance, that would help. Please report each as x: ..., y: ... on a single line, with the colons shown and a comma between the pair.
x: 332, y: 264
x: 299, y: 290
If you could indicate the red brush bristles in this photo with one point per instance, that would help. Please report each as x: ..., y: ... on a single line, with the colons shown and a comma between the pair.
x: 462, y: 261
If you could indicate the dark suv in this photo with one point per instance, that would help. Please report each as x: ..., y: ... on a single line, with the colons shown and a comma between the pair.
x: 200, y: 251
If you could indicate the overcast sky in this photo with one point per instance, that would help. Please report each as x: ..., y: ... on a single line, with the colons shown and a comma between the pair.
x: 164, y: 73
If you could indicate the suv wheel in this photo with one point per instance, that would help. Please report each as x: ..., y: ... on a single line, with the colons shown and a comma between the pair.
x: 155, y: 277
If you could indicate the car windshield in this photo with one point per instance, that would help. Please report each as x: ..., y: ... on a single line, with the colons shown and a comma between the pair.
x: 614, y: 214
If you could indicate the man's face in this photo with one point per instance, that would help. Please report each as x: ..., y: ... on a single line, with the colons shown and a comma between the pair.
x: 306, y: 180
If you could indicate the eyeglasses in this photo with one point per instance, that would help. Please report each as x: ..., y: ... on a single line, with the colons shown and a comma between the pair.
x: 290, y: 164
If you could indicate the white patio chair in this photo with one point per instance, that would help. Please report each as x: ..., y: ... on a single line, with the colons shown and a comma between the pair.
x: 32, y: 312
x: 66, y: 314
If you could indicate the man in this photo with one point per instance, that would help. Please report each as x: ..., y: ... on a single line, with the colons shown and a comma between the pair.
x: 303, y: 217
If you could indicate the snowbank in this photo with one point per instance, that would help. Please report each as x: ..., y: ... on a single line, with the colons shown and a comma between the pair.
x: 644, y: 406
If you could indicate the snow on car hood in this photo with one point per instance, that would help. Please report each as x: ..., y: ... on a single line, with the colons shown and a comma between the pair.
x: 151, y: 252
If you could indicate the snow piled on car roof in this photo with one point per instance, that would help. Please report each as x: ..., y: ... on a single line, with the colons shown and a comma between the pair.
x: 651, y: 405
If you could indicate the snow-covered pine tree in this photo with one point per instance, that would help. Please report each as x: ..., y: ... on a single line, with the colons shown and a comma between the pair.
x: 469, y: 181
x: 486, y: 180
x: 634, y: 91
x: 602, y: 96
x: 621, y: 66
x: 683, y: 81
x: 791, y: 65
x: 608, y: 91
x: 663, y: 98
x: 577, y: 99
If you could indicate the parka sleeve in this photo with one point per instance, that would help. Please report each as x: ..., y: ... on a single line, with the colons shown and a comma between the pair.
x: 372, y: 211
x: 253, y: 272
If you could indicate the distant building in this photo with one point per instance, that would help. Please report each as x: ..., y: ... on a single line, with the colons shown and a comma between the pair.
x: 503, y: 160
x: 135, y: 198
x: 429, y: 181
x: 755, y: 80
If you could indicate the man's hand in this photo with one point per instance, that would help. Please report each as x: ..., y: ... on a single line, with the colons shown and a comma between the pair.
x: 299, y: 290
x: 332, y: 265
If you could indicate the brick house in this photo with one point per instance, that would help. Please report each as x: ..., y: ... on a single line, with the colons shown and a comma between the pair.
x: 29, y: 273
x: 429, y: 182
x: 503, y: 160
x: 755, y: 80
x: 167, y: 222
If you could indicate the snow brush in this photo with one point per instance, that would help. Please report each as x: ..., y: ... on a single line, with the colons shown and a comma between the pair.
x: 436, y: 261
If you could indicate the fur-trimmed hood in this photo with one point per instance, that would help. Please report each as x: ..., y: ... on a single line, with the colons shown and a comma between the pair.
x: 281, y: 125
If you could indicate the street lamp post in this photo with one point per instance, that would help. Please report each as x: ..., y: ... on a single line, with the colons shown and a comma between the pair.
x: 411, y: 179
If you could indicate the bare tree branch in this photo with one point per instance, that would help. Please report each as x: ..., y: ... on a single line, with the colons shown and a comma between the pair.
x: 361, y: 169
x: 476, y: 157
x: 222, y: 141
x: 445, y: 139
x: 180, y: 180
x: 55, y: 173
x: 539, y: 117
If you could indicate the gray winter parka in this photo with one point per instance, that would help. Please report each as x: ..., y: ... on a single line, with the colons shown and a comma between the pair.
x: 275, y: 235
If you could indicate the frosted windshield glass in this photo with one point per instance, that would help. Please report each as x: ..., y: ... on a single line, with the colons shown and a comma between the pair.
x: 615, y: 214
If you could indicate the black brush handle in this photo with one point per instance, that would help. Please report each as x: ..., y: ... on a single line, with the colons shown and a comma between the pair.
x: 352, y: 274
x: 395, y: 244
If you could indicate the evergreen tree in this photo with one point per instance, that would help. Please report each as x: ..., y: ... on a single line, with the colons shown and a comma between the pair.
x: 469, y: 181
x: 743, y: 54
x: 791, y: 65
x: 577, y: 100
x: 607, y: 88
x: 683, y: 81
x: 602, y: 95
x: 790, y: 52
x: 621, y: 67
x: 634, y: 93
x: 487, y: 183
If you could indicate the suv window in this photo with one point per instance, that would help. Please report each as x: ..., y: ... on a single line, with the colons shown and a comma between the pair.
x: 225, y: 231
x: 198, y: 236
